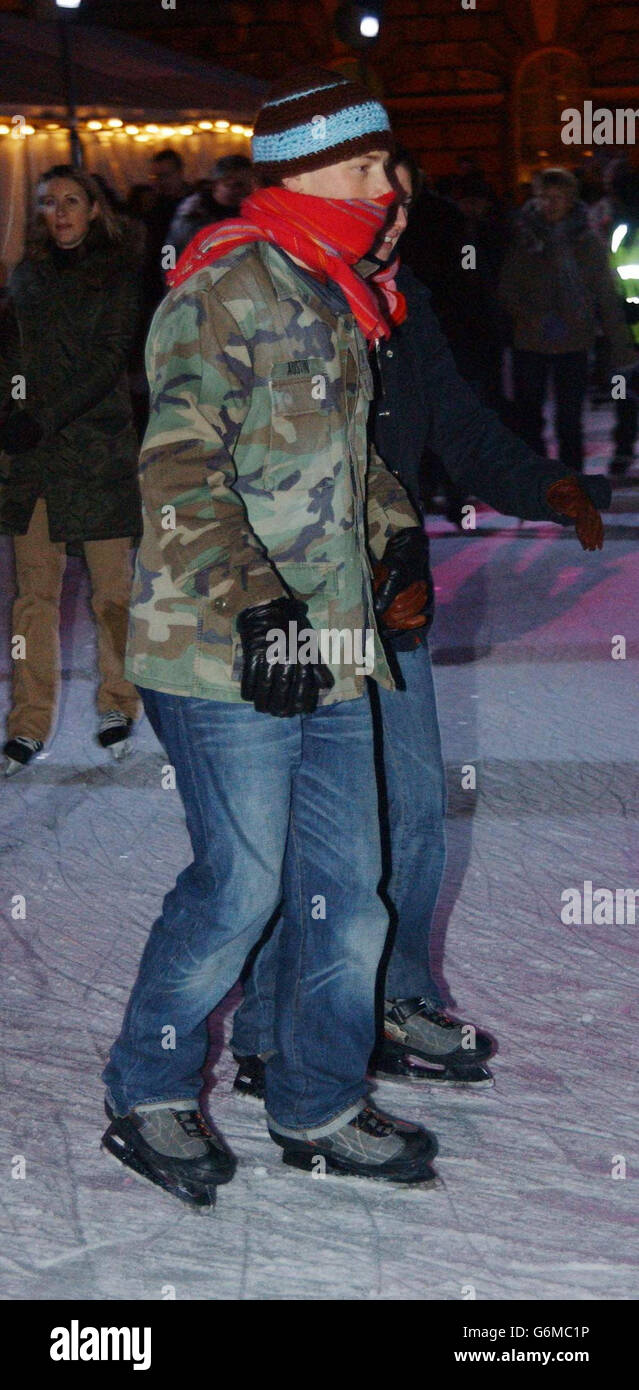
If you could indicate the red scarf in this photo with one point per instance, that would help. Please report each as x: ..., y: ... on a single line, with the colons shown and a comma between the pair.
x: 328, y: 234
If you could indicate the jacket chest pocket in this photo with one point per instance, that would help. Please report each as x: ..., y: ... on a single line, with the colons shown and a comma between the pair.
x: 300, y: 431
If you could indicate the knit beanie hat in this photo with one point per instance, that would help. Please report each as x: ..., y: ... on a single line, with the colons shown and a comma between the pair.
x: 314, y: 118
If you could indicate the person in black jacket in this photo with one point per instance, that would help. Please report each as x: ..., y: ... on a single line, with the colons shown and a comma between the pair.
x: 68, y: 449
x: 422, y: 401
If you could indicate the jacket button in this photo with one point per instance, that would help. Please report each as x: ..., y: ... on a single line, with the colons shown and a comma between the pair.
x: 220, y: 604
x: 389, y: 352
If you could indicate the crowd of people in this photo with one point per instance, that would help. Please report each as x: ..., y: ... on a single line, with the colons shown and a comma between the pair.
x: 304, y: 386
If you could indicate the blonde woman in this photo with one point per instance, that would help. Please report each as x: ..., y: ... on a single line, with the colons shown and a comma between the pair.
x: 68, y: 450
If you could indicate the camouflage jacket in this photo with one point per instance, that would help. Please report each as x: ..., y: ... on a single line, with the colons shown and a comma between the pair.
x: 256, y: 478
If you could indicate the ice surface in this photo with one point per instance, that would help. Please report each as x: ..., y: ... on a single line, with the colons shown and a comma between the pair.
x: 527, y: 1207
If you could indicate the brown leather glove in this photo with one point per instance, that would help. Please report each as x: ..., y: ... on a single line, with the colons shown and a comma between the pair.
x: 408, y: 609
x: 567, y: 497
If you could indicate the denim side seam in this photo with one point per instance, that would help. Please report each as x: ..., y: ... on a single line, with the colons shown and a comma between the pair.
x: 300, y: 956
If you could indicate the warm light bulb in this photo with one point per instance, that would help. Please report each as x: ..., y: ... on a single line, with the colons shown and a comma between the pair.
x: 132, y: 129
x: 152, y: 129
x: 94, y: 125
x: 205, y: 125
x: 237, y: 129
x: 115, y: 122
x: 222, y: 125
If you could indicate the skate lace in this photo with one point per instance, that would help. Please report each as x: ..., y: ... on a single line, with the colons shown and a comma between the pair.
x: 193, y: 1123
x: 33, y: 744
x: 371, y: 1123
x: 441, y: 1020
x: 113, y: 719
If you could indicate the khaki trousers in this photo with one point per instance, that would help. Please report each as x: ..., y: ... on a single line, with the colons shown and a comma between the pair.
x: 40, y: 566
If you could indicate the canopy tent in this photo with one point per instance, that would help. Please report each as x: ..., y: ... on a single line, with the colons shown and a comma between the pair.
x: 132, y: 98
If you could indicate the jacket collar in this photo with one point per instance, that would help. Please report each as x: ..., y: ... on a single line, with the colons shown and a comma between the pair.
x: 287, y: 284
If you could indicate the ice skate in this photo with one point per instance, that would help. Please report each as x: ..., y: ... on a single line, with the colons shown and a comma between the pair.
x: 371, y: 1145
x: 19, y: 752
x: 113, y: 733
x: 390, y: 1063
x: 250, y: 1079
x: 414, y: 1026
x: 170, y: 1144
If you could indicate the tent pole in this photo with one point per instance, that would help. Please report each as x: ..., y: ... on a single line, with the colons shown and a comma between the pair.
x: 77, y: 156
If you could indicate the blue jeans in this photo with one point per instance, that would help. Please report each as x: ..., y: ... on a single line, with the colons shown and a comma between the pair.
x: 415, y: 809
x: 282, y: 814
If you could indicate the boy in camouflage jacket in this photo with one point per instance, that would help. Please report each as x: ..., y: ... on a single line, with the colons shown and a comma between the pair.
x: 257, y: 489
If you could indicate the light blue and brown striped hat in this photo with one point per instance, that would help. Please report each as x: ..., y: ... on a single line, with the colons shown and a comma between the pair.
x: 314, y: 118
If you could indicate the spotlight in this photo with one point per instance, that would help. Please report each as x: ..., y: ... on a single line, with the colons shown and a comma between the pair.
x: 369, y: 26
x: 358, y: 25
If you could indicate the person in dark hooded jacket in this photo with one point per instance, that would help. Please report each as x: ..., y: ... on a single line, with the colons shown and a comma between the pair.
x: 557, y: 286
x: 68, y: 449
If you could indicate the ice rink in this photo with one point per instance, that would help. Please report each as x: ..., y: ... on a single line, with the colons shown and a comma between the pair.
x: 532, y: 1202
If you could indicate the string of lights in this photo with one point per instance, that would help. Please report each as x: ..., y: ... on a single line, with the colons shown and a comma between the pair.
x: 17, y: 127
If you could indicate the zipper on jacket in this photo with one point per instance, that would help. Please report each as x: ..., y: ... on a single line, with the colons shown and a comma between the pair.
x: 380, y: 374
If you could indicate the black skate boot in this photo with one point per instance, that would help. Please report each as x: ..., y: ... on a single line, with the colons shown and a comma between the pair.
x: 171, y: 1144
x: 250, y: 1079
x: 371, y: 1145
x: 389, y: 1063
x: 113, y: 733
x: 19, y: 751
x: 454, y: 1052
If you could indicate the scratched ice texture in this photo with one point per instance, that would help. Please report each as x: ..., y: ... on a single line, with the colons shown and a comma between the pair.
x: 527, y: 1206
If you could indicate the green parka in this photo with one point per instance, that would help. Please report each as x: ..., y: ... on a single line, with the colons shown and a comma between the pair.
x: 68, y: 328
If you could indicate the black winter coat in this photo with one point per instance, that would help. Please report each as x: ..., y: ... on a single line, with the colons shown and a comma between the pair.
x: 422, y: 402
x: 73, y: 317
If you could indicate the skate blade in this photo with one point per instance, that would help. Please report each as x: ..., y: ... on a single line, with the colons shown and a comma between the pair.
x: 420, y: 1076
x: 120, y: 751
x: 308, y: 1163
x: 116, y: 1148
x: 11, y: 767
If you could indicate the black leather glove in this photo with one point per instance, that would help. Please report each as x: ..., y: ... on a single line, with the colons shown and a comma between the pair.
x: 281, y: 688
x: 404, y: 562
x: 20, y: 433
